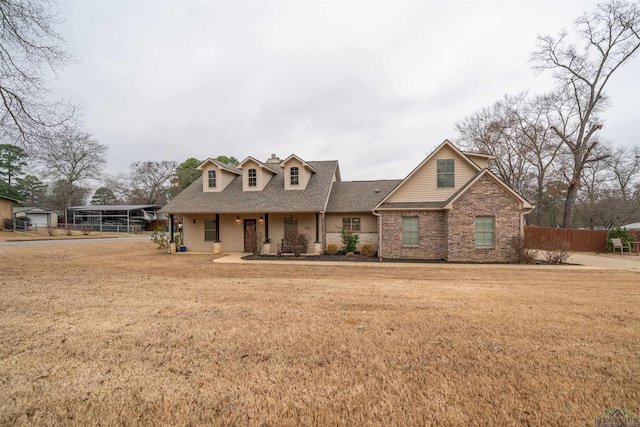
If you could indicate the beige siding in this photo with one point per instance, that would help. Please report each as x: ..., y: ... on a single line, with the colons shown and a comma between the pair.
x: 422, y: 186
x: 276, y: 228
x: 479, y: 160
x: 231, y: 234
x: 6, y: 210
x: 223, y: 178
x: 304, y: 174
x: 263, y: 176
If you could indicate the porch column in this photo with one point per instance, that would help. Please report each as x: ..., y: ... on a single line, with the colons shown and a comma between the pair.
x: 317, y: 226
x: 171, y: 229
x: 217, y: 227
x: 266, y: 227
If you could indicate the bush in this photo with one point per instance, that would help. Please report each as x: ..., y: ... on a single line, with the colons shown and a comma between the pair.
x: 298, y: 242
x: 350, y: 254
x: 349, y: 239
x: 68, y: 230
x: 557, y: 250
x: 332, y: 249
x: 523, y: 253
x: 367, y: 250
x: 159, y: 237
x: 621, y: 233
x: 86, y: 229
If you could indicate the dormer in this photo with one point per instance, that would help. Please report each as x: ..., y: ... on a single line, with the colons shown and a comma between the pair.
x: 216, y: 175
x: 297, y: 173
x: 255, y: 174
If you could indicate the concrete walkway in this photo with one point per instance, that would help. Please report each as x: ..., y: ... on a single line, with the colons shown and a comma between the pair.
x: 580, y: 260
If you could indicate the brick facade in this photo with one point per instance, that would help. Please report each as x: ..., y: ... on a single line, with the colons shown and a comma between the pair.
x: 433, y: 235
x: 450, y: 234
x: 485, y: 198
x: 6, y: 210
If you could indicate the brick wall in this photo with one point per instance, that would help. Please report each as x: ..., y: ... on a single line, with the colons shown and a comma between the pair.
x: 433, y: 235
x: 488, y: 198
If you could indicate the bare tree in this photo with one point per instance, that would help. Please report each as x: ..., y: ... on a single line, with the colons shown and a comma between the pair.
x: 605, y: 40
x: 30, y: 52
x: 149, y: 182
x: 73, y: 156
x: 624, y: 164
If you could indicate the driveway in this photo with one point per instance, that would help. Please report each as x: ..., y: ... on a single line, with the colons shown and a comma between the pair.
x: 607, y: 261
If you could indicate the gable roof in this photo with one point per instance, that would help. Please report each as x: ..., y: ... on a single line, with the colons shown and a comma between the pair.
x: 358, y: 196
x: 444, y: 144
x: 225, y: 166
x: 31, y: 210
x: 273, y: 198
x: 269, y: 167
x: 487, y: 172
x: 304, y: 163
x: 10, y: 199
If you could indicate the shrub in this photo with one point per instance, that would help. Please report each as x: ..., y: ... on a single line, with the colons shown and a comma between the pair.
x: 367, y: 250
x: 68, y: 230
x: 159, y: 237
x: 350, y: 254
x: 254, y: 240
x: 523, y: 253
x: 349, y: 239
x: 51, y: 231
x: 86, y: 229
x: 557, y: 250
x: 332, y: 249
x: 298, y: 242
x: 621, y: 233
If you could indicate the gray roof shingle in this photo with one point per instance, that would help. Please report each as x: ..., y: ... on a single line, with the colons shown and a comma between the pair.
x: 359, y: 196
x: 273, y: 198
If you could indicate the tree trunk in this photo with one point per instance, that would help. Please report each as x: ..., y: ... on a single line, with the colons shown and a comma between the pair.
x: 572, y: 190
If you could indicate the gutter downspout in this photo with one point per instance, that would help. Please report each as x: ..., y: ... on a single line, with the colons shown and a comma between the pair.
x: 379, y: 234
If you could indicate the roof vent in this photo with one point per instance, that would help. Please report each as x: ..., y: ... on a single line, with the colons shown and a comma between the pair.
x: 377, y: 190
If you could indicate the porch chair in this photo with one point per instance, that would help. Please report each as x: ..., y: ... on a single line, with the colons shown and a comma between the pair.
x: 617, y: 243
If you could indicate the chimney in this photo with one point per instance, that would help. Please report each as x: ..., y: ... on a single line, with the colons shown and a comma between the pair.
x: 273, y: 159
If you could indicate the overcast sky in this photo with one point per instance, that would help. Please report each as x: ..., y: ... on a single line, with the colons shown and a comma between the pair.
x: 375, y: 85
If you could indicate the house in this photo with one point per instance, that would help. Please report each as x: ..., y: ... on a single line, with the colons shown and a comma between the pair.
x: 449, y: 207
x: 6, y: 209
x: 39, y: 217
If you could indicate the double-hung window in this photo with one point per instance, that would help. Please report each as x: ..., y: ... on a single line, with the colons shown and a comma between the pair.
x: 212, y: 179
x: 410, y: 231
x: 210, y: 230
x: 253, y: 178
x: 445, y: 173
x: 295, y: 175
x: 485, y: 231
x: 351, y: 223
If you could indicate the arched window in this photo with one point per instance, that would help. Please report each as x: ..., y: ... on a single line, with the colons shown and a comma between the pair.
x: 212, y: 179
x: 253, y: 178
x: 295, y: 175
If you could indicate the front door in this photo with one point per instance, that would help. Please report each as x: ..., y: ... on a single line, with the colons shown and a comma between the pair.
x: 250, y: 237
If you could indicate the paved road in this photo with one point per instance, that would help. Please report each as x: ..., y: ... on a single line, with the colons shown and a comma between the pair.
x: 71, y: 241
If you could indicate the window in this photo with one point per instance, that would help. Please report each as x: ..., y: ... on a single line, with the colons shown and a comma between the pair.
x: 351, y: 224
x: 253, y: 179
x: 212, y: 179
x: 290, y: 227
x: 295, y: 175
x: 485, y: 231
x: 410, y: 231
x: 210, y: 230
x: 445, y: 173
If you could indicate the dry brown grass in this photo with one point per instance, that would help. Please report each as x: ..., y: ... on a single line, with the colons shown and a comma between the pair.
x: 120, y: 333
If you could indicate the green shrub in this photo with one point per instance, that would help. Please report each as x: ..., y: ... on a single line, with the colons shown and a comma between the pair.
x: 349, y: 239
x: 621, y: 233
x: 332, y: 249
x: 159, y: 237
x: 367, y: 250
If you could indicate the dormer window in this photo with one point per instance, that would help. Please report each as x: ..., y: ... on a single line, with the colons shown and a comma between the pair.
x: 295, y: 175
x: 445, y: 173
x: 253, y: 178
x: 212, y: 179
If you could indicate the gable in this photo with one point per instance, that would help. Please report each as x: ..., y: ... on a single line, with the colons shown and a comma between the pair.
x: 422, y: 184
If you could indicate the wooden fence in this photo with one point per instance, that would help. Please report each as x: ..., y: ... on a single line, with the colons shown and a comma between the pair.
x: 579, y: 240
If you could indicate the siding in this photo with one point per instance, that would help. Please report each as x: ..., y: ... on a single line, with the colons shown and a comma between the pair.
x: 223, y: 178
x: 276, y: 229
x: 422, y: 185
x: 263, y: 175
x: 304, y: 175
